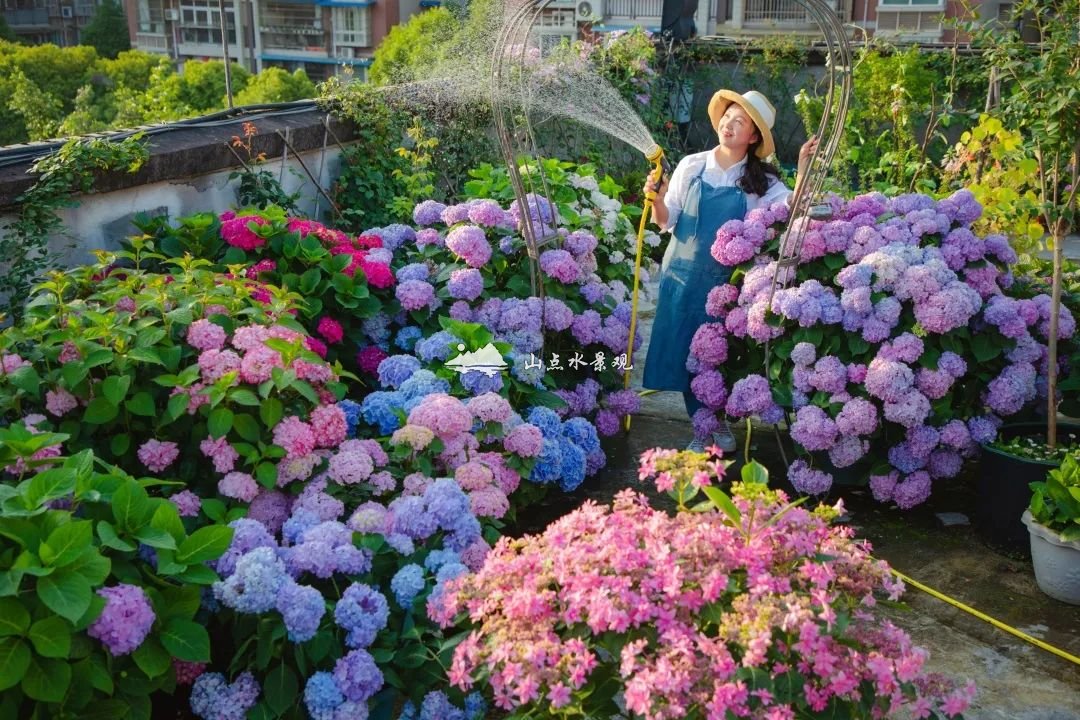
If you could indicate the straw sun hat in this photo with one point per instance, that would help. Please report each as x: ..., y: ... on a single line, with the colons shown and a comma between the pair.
x: 756, y: 106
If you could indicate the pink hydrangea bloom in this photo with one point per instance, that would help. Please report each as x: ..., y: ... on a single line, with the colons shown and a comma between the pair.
x: 239, y: 486
x: 329, y: 426
x: 205, y: 335
x: 60, y: 402
x: 295, y: 436
x: 220, y: 452
x: 157, y: 455
x: 236, y: 232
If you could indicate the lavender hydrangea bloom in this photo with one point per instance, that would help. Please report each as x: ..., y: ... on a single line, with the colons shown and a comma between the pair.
x: 750, y: 395
x: 212, y: 698
x: 469, y: 243
x: 913, y: 490
x: 302, y: 608
x: 813, y: 428
x: 248, y: 534
x: 411, y: 517
x: 1012, y: 389
x: 126, y: 620
x: 416, y: 295
x: 847, y: 451
x: 560, y: 265
x: 254, y: 585
x: 413, y: 271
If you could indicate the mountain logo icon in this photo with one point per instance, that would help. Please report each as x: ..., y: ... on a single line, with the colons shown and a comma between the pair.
x: 487, y: 360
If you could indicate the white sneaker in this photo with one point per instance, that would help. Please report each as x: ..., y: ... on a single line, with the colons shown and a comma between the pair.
x: 724, y: 438
x: 697, y: 446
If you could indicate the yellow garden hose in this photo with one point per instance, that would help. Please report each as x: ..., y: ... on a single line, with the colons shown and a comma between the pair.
x: 656, y: 157
x: 986, y: 618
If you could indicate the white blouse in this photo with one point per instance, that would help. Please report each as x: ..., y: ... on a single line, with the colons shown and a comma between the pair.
x: 691, y: 166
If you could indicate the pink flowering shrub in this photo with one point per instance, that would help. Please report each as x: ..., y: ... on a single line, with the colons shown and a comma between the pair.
x: 183, y: 376
x: 895, y: 346
x: 758, y: 609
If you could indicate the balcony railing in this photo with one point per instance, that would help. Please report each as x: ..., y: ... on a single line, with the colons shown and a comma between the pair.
x: 634, y: 8
x: 152, y: 42
x: 785, y: 12
x: 27, y: 18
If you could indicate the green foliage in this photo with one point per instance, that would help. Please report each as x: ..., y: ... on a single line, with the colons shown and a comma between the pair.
x: 70, y: 526
x: 201, y: 86
x: 6, y: 33
x: 1055, y: 502
x: 107, y: 31
x: 258, y: 187
x: 1000, y: 170
x: 417, y: 176
x: 24, y: 245
x: 367, y: 183
x: 276, y: 85
x: 421, y: 42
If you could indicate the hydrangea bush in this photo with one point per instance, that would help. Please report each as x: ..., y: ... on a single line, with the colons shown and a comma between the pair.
x: 89, y: 624
x: 895, y: 339
x: 749, y: 607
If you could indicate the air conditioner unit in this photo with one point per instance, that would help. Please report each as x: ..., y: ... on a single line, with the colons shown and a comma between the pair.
x: 346, y: 53
x: 172, y: 14
x: 67, y: 11
x: 589, y: 11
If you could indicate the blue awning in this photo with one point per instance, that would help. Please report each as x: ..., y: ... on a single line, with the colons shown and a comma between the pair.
x: 356, y: 62
x: 346, y: 3
x: 430, y: 3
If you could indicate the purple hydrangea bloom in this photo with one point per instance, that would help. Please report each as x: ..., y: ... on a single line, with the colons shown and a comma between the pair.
x: 126, y: 620
x: 944, y: 464
x: 913, y: 490
x: 807, y: 480
x: 428, y: 212
x: 486, y: 213
x: 803, y: 353
x: 469, y: 243
x: 579, y: 243
x: 413, y: 271
x: 847, y: 451
x: 882, y: 486
x: 212, y: 698
x: 1012, y: 389
x: 465, y: 284
x: 560, y: 265
x: 750, y: 395
x: 248, y: 534
x: 888, y: 380
x: 859, y: 416
x: 813, y: 428
x: 357, y: 676
x: 909, y: 410
x: 362, y: 611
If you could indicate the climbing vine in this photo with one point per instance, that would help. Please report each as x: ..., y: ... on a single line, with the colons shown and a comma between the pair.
x: 25, y: 254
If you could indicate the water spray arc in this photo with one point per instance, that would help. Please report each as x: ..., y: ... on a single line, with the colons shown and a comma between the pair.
x: 515, y: 92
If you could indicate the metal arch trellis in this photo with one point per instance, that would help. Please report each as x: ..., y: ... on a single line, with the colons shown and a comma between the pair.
x: 510, y: 51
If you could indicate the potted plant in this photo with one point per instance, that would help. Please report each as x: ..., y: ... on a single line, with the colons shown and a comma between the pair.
x: 1053, y: 520
x: 1039, y: 99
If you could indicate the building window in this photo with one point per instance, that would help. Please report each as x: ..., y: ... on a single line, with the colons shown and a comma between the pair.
x: 201, y: 22
x: 352, y: 26
x: 151, y: 17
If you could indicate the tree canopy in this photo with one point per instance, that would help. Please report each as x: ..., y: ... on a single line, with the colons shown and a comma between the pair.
x: 107, y: 31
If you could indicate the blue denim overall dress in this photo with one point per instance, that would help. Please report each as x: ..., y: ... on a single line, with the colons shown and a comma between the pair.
x: 687, y: 274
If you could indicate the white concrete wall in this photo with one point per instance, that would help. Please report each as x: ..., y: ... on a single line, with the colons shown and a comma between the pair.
x: 100, y: 221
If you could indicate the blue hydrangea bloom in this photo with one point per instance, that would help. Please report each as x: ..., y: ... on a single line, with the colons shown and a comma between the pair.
x: 396, y: 235
x: 411, y: 517
x: 298, y: 523
x: 449, y: 571
x: 377, y: 328
x: 475, y: 706
x: 465, y: 532
x: 407, y: 583
x: 378, y: 409
x: 413, y: 271
x: 547, y: 420
x: 302, y: 608
x: 401, y: 543
x: 322, y: 696
x: 528, y: 370
x: 446, y: 502
x: 408, y: 711
x: 582, y: 433
x: 437, y: 706
x: 478, y: 383
x: 363, y: 612
x: 421, y: 384
x: 407, y: 337
x: 549, y: 464
x: 437, y: 347
x: 396, y: 369
x: 352, y: 415
x: 255, y: 583
x: 573, y: 467
x: 437, y: 558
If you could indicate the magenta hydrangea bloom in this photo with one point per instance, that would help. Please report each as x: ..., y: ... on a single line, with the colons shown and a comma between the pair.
x: 126, y: 620
x: 205, y: 335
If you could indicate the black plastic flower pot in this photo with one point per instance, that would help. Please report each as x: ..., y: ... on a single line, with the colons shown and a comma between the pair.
x: 1002, y: 492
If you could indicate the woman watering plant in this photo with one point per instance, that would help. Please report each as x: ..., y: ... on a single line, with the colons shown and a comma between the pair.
x: 705, y: 191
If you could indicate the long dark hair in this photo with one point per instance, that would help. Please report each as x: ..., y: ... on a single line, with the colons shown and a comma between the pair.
x: 755, y: 179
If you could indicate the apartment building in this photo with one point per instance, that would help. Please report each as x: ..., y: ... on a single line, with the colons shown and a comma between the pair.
x: 322, y: 37
x: 48, y: 21
x: 902, y: 20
